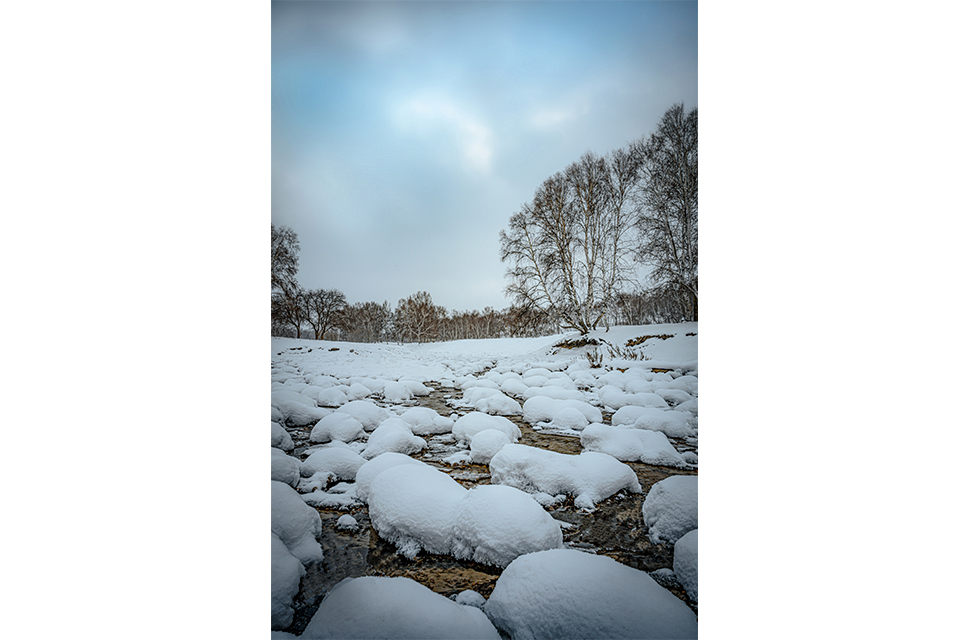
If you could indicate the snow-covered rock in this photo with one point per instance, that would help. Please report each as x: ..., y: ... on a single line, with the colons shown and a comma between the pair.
x: 296, y: 524
x: 366, y: 412
x: 397, y: 392
x: 491, y: 401
x: 485, y: 444
x: 564, y: 593
x: 674, y: 424
x: 468, y: 425
x: 570, y: 419
x: 286, y: 572
x: 685, y: 563
x: 280, y: 437
x: 471, y: 598
x: 425, y: 421
x: 337, y: 426
x: 589, y: 476
x: 671, y: 508
x: 297, y: 409
x: 339, y: 463
x: 347, y: 523
x: 393, y: 435
x: 612, y: 396
x: 397, y: 608
x: 332, y: 397
x: 414, y: 507
x: 285, y: 468
x: 650, y: 447
x: 496, y: 524
x: 543, y: 409
x: 370, y: 470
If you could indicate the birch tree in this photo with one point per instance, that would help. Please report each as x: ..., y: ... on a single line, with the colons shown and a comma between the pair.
x: 667, y: 202
x: 568, y: 251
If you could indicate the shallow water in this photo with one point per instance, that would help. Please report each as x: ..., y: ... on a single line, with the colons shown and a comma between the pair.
x: 614, y: 528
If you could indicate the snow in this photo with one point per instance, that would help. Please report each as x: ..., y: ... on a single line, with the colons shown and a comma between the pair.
x: 337, y: 463
x: 496, y: 524
x: 614, y: 398
x: 491, y: 401
x: 393, y: 435
x: 337, y: 426
x: 674, y: 424
x: 626, y: 444
x: 589, y: 476
x: 398, y: 608
x: 671, y: 508
x: 347, y: 523
x: 397, y: 392
x: 296, y: 409
x: 332, y: 397
x: 414, y: 507
x: 286, y: 572
x: 296, y: 524
x: 570, y: 419
x: 564, y: 593
x: 370, y: 470
x: 471, y: 598
x: 366, y: 412
x: 475, y: 422
x: 280, y: 438
x: 685, y: 563
x: 485, y: 444
x: 424, y: 421
x: 285, y: 468
x: 543, y: 409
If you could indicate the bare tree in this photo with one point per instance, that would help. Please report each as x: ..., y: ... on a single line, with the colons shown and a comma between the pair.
x: 668, y: 205
x: 568, y: 251
x: 289, y: 307
x: 284, y: 258
x: 417, y: 318
x: 324, y: 306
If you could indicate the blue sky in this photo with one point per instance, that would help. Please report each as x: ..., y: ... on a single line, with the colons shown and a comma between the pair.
x: 405, y: 134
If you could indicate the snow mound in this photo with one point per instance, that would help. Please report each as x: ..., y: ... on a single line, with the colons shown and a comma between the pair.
x: 685, y: 563
x: 471, y: 598
x: 570, y: 419
x: 286, y: 572
x: 397, y: 392
x: 564, y: 593
x: 589, y: 476
x: 612, y: 396
x: 332, y: 499
x: 339, y: 463
x: 337, y: 426
x: 347, y: 523
x: 285, y: 468
x: 491, y: 401
x: 671, y: 508
x: 297, y: 409
x: 496, y: 524
x: 553, y: 391
x: 366, y: 412
x: 398, y: 608
x: 332, y: 397
x: 370, y: 470
x: 485, y: 444
x: 393, y: 436
x: 650, y: 447
x: 475, y: 422
x: 280, y: 438
x: 425, y: 421
x: 414, y: 506
x: 543, y: 409
x: 674, y: 424
x: 296, y: 524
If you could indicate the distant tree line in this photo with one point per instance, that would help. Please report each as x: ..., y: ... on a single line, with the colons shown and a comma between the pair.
x: 574, y: 249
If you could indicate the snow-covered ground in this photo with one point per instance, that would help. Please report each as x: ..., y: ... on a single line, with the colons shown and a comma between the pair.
x: 352, y: 432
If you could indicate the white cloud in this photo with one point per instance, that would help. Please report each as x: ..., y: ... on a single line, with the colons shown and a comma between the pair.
x: 554, y: 117
x: 473, y: 137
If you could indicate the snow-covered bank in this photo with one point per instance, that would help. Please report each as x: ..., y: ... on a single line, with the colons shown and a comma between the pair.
x: 374, y: 441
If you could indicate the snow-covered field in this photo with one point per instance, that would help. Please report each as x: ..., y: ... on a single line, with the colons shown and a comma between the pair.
x: 497, y: 456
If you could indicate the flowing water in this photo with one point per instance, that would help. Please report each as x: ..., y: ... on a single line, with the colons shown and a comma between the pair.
x: 614, y: 528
